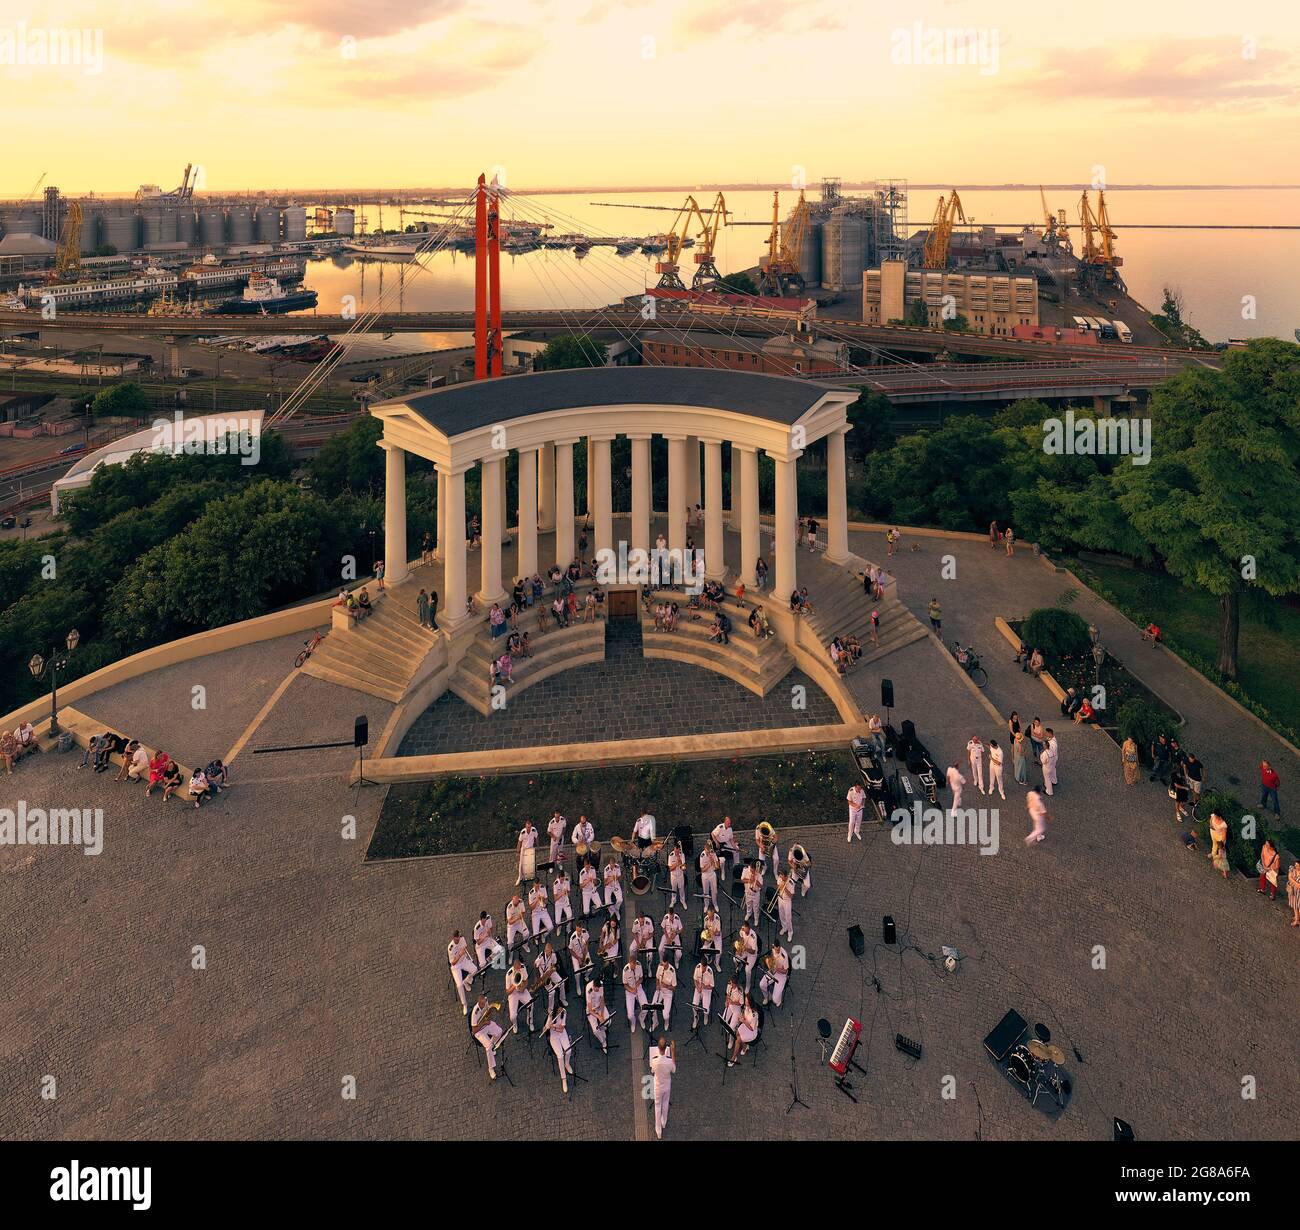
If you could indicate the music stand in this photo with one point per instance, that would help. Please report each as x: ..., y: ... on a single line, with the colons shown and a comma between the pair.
x: 575, y: 1074
x: 500, y: 1049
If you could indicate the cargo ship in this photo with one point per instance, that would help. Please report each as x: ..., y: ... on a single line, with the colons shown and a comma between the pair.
x: 265, y: 295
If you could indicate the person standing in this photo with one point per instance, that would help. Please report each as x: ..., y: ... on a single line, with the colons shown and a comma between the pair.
x: 1160, y: 760
x: 1020, y: 758
x: 587, y: 881
x: 379, y: 575
x: 463, y: 968
x: 1269, y: 782
x: 703, y: 998
x: 1037, y: 738
x: 995, y: 768
x: 527, y: 840
x: 1293, y: 892
x: 955, y: 783
x: 752, y: 879
x: 677, y: 876
x: 785, y: 904
x: 1037, y: 806
x: 597, y: 1014
x: 613, y: 876
x: 635, y: 992
x: 876, y: 731
x: 663, y: 1063
x: 748, y: 941
x: 993, y: 535
x: 560, y: 896
x: 1048, y: 762
x: 1194, y: 771
x: 422, y: 608
x: 1128, y: 757
x: 709, y: 876
x: 857, y: 798
x: 1010, y: 539
x: 975, y: 755
x: 1218, y: 854
x: 433, y: 609
x: 936, y: 616
x: 891, y: 539
x: 555, y: 827
x: 665, y: 986
x: 1270, y: 862
x: 557, y: 1027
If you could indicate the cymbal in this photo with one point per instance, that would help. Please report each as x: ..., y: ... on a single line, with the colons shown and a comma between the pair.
x: 1055, y: 1054
x: 1040, y: 1050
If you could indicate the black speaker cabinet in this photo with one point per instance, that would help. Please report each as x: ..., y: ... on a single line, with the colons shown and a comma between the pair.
x: 361, y: 732
x: 887, y: 693
x: 888, y: 931
x: 1005, y: 1034
x: 857, y: 941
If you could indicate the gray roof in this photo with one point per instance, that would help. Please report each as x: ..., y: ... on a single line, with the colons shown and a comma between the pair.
x: 467, y: 407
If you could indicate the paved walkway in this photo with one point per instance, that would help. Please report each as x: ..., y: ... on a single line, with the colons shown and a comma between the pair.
x: 319, y: 968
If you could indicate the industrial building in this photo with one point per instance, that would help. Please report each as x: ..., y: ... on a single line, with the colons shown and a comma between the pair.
x: 992, y: 303
x: 843, y: 235
x: 786, y: 355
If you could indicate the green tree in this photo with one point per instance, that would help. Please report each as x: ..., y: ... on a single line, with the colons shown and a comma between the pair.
x: 957, y: 324
x: 872, y: 416
x: 351, y: 461
x: 738, y: 284
x: 1219, y: 504
x: 917, y: 314
x: 569, y: 350
x: 126, y: 400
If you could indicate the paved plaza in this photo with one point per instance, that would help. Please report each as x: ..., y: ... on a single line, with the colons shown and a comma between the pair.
x: 319, y: 967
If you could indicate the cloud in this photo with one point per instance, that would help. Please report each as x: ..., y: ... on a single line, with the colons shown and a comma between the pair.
x: 751, y: 18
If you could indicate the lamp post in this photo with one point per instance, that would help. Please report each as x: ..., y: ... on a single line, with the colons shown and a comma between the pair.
x: 57, y: 661
x: 1098, y: 656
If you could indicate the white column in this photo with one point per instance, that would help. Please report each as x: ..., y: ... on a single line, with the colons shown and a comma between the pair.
x: 564, y: 502
x: 692, y: 471
x: 394, y: 513
x: 602, y: 493
x: 641, y: 489
x: 715, y: 563
x: 837, y: 501
x: 505, y: 509
x: 546, y: 488
x: 751, y: 546
x: 591, y: 470
x: 787, y: 515
x: 440, y: 550
x: 527, y: 511
x: 451, y: 610
x: 490, y: 588
x: 677, y: 452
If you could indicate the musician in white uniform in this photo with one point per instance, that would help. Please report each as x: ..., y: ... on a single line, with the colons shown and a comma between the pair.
x: 518, y: 994
x: 540, y: 915
x: 709, y: 875
x: 632, y: 988
x: 752, y: 879
x: 560, y: 892
x: 663, y: 1063
x: 975, y: 756
x: 857, y: 799
x: 597, y: 1014
x: 765, y: 840
x: 801, y: 870
x: 703, y: 997
x: 713, y: 925
x: 556, y: 828
x: 516, y: 922
x: 746, y: 1032
x: 487, y: 1031
x: 547, y: 966
x: 527, y: 840
x: 643, y: 831
x: 589, y: 881
x: 557, y: 1027
x: 677, y: 875
x: 665, y: 986
x: 579, y: 952
x: 610, y: 940
x: 748, y: 938
x: 725, y: 839
x: 643, y: 937
x: 613, y: 884
x: 785, y: 904
x: 671, y: 926
x: 583, y: 832
x: 776, y: 973
x: 735, y: 1001
x: 485, y: 940
x: 463, y: 968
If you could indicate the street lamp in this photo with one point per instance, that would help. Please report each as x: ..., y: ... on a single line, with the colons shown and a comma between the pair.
x: 1093, y: 633
x: 1098, y: 656
x: 57, y: 661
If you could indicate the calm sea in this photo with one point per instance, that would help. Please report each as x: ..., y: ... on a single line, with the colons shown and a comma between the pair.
x: 1234, y: 283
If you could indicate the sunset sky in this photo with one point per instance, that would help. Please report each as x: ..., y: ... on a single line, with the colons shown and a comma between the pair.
x: 294, y: 94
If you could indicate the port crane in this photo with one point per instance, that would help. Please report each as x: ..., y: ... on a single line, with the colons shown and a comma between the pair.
x: 706, y: 270
x: 1056, y: 230
x: 68, y: 260
x: 781, y: 273
x: 946, y: 215
x: 1099, y: 262
x: 669, y: 269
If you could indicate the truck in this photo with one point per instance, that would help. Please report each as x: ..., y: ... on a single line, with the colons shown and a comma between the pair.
x: 1125, y: 333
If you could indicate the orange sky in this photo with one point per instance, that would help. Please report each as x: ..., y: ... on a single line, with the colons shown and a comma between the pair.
x: 290, y: 93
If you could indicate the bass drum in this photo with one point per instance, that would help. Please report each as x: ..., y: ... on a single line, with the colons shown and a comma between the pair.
x: 1021, y: 1065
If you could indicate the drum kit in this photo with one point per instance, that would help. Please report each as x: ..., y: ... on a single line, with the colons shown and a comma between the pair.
x: 641, y: 858
x: 1036, y: 1067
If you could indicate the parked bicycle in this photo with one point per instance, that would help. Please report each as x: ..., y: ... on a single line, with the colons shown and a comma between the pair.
x: 969, y: 661
x: 304, y: 654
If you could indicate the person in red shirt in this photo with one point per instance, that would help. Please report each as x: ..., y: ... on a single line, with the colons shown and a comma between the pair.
x: 1268, y: 786
x: 1151, y: 633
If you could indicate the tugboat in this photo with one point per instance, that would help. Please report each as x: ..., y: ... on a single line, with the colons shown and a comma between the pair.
x: 265, y: 295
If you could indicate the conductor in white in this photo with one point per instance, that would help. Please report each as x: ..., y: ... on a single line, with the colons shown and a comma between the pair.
x: 955, y: 783
x: 663, y: 1063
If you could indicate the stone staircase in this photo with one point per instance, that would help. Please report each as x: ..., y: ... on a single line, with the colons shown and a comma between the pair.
x: 758, y: 665
x: 554, y: 650
x: 840, y: 608
x: 380, y: 655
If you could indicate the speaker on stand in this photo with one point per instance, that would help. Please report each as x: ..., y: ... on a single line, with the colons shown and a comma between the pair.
x: 887, y: 701
x: 360, y: 738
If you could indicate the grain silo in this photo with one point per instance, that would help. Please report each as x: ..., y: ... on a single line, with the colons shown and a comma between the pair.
x: 90, y: 227
x: 295, y: 224
x: 844, y: 248
x: 345, y: 221
x: 810, y: 250
x: 240, y: 221
x: 212, y: 226
x: 121, y: 230
x: 266, y: 224
x: 186, y: 227
x: 159, y: 226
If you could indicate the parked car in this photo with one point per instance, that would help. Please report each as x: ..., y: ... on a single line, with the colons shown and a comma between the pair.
x: 7, y: 523
x: 72, y: 448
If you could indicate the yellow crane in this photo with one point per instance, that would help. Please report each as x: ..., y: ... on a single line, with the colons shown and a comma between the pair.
x: 782, y: 274
x: 1056, y: 230
x: 669, y: 269
x: 68, y: 260
x: 946, y: 215
x: 706, y: 270
x: 1099, y: 260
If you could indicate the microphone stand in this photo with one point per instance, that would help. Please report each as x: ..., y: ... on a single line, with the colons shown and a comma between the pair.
x: 795, y: 1099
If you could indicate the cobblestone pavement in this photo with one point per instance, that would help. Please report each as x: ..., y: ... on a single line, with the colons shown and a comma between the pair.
x: 319, y: 968
x: 626, y: 696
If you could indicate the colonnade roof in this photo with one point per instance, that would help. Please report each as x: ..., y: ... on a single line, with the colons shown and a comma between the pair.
x: 464, y: 408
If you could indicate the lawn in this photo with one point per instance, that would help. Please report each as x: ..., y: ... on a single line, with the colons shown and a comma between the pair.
x: 1269, y: 651
x: 458, y: 814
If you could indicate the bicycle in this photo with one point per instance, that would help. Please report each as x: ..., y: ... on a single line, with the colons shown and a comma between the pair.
x: 304, y: 654
x: 969, y: 661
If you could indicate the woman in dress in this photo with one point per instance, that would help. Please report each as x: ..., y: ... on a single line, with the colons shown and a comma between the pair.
x: 1218, y: 854
x: 1270, y: 863
x: 1128, y: 756
x: 1037, y: 738
x: 1293, y: 892
x: 1020, y: 757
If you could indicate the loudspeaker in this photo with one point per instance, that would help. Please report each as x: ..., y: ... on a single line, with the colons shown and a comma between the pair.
x: 361, y: 732
x: 1123, y: 1131
x: 1005, y: 1034
x: 887, y: 929
x: 887, y: 693
x: 857, y: 941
